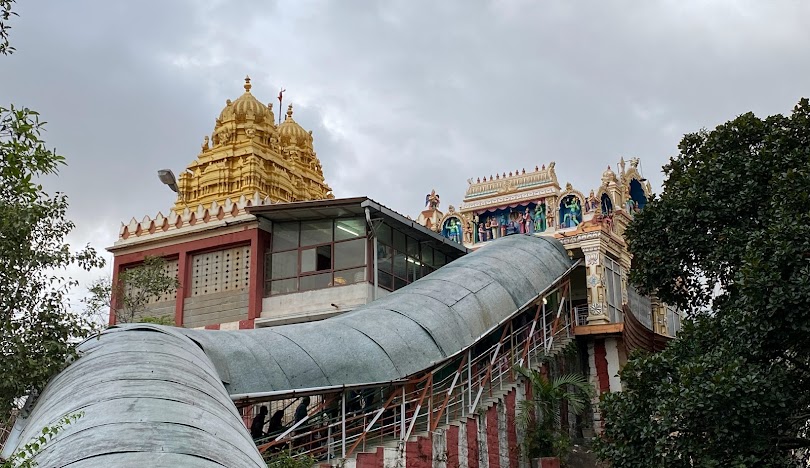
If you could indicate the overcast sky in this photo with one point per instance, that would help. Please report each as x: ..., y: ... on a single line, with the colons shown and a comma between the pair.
x: 402, y: 96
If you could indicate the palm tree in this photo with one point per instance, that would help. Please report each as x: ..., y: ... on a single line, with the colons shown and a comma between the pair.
x: 540, y: 415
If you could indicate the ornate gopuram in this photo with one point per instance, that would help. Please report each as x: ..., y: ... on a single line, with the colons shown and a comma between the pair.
x: 249, y: 154
x: 209, y: 239
x: 606, y: 315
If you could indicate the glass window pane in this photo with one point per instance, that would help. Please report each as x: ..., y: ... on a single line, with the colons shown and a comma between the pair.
x: 284, y: 236
x: 385, y: 255
x: 414, y: 269
x: 320, y: 281
x: 399, y: 241
x: 438, y: 259
x: 284, y: 286
x: 284, y: 264
x: 427, y: 255
x: 316, y: 259
x: 385, y: 280
x: 413, y: 247
x: 349, y: 228
x: 400, y: 269
x: 350, y: 254
x: 399, y: 283
x: 384, y: 234
x: 355, y: 275
x: 316, y: 232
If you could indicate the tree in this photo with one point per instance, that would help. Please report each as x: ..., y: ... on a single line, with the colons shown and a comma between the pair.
x: 37, y: 330
x: 540, y: 415
x: 133, y: 291
x: 729, y: 241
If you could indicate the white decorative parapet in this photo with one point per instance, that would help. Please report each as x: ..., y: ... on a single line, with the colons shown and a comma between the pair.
x: 201, y: 217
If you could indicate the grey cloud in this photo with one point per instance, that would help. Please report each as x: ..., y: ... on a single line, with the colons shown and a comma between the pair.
x: 402, y: 96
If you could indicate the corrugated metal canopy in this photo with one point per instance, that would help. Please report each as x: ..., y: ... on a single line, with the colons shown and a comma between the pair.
x: 149, y: 397
x: 395, y: 336
x: 154, y: 396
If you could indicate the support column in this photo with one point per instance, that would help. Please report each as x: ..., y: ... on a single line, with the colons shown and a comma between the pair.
x: 595, y: 282
x: 184, y: 287
x: 114, y: 299
x: 259, y: 241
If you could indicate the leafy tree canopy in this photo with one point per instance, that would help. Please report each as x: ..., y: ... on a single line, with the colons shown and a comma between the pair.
x: 729, y: 241
x: 36, y: 328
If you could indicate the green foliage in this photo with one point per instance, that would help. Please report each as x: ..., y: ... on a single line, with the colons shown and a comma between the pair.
x: 5, y: 15
x: 287, y: 460
x: 734, y: 389
x: 23, y: 458
x: 540, y: 415
x: 134, y: 289
x: 36, y: 327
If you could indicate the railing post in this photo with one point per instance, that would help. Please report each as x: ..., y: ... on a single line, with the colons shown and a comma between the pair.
x: 469, y: 376
x: 343, y: 423
x: 545, y: 338
x: 430, y: 400
x: 402, y: 415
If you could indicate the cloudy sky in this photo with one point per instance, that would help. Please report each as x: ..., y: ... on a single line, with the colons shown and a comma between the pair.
x: 402, y: 96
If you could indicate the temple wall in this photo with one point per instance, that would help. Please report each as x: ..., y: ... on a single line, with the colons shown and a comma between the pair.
x: 217, y: 308
x: 317, y: 304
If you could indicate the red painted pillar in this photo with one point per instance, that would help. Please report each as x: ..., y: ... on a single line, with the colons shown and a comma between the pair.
x: 511, y: 430
x: 472, y: 443
x: 370, y: 460
x: 452, y: 446
x: 493, y: 446
x: 259, y: 240
x: 113, y: 299
x: 600, y: 362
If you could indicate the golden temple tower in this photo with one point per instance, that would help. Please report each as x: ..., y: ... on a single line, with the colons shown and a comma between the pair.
x: 248, y: 154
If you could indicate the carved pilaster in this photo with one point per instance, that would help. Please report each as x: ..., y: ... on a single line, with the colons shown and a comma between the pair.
x: 595, y: 281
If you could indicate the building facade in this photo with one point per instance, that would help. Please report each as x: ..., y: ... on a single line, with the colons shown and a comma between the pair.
x: 256, y: 237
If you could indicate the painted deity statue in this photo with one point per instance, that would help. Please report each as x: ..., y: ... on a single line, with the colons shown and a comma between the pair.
x: 454, y: 230
x: 528, y: 226
x: 540, y: 218
x: 432, y: 200
x: 572, y: 213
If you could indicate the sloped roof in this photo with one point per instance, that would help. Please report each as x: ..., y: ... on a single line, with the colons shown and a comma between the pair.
x: 395, y: 336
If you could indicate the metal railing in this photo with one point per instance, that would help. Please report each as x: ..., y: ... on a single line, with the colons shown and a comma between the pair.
x: 346, y: 422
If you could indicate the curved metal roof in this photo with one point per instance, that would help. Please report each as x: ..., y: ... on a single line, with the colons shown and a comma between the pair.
x: 150, y: 397
x: 154, y: 395
x: 395, y: 336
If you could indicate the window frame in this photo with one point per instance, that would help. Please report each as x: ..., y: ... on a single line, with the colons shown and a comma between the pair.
x: 299, y: 249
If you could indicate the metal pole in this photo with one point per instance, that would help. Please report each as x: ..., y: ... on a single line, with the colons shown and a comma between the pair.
x: 545, y: 339
x: 374, y: 254
x: 469, y: 376
x: 402, y: 415
x: 343, y: 423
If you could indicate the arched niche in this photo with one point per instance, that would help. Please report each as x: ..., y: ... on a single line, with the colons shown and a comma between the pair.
x: 570, y: 211
x: 453, y: 229
x: 637, y: 194
x: 606, y: 204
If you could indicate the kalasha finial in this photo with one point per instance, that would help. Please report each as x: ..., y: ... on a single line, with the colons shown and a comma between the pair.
x: 289, y: 111
x: 247, y: 84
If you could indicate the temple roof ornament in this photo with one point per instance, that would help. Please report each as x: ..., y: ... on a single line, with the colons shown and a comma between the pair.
x: 608, y: 176
x: 247, y: 153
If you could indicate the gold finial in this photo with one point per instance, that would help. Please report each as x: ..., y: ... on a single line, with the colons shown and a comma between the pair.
x: 289, y: 111
x: 247, y: 84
